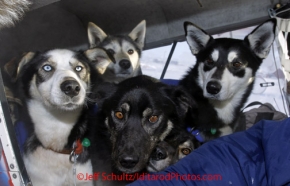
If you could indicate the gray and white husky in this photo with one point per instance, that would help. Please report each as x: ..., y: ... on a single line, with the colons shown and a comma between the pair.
x: 121, y: 58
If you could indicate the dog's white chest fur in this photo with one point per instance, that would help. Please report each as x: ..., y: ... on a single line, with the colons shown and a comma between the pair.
x: 47, y: 168
x: 52, y: 126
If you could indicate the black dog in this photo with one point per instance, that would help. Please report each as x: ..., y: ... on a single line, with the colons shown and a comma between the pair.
x: 133, y: 117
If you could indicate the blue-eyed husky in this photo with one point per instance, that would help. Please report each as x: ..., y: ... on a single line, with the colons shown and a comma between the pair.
x: 121, y: 59
x: 55, y: 85
x: 223, y: 76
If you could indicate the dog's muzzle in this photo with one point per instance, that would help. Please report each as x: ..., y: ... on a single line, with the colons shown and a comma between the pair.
x: 159, y: 154
x: 128, y: 161
x: 70, y: 87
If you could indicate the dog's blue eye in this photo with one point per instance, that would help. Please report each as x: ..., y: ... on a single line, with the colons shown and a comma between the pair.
x: 47, y: 68
x: 79, y: 68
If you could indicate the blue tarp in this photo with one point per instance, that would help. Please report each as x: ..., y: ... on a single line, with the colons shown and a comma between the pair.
x: 258, y: 156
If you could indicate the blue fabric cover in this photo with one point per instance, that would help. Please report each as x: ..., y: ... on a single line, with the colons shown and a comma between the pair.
x: 21, y: 134
x: 258, y: 156
x: 170, y: 81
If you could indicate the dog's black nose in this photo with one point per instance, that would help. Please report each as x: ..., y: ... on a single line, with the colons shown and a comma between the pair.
x: 129, y: 161
x: 213, y: 87
x: 125, y: 64
x: 70, y: 87
x: 159, y: 153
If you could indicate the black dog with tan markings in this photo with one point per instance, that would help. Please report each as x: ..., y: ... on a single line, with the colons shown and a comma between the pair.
x: 136, y: 114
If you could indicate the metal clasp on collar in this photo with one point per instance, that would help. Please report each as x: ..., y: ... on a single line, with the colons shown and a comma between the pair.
x: 73, y: 156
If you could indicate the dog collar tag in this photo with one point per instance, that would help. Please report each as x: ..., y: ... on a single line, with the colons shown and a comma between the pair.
x: 86, y: 142
x: 213, y: 131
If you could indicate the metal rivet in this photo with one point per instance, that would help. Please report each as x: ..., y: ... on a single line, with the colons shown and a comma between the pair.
x: 11, y: 166
x: 14, y: 176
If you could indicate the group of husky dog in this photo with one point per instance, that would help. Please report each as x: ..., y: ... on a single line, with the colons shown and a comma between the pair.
x: 93, y: 113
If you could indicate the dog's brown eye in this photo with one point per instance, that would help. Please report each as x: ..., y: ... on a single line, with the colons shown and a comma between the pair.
x: 209, y: 61
x: 153, y: 119
x: 130, y: 51
x: 119, y: 115
x: 237, y: 64
x: 185, y: 151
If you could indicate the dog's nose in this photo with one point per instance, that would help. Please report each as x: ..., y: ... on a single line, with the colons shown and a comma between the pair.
x: 125, y: 64
x: 159, y: 154
x: 70, y: 87
x: 213, y: 87
x: 129, y: 161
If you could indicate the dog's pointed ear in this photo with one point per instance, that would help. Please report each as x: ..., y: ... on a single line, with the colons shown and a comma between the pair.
x: 14, y: 66
x: 181, y: 99
x: 95, y: 35
x: 138, y: 34
x: 262, y: 37
x: 100, y: 58
x: 196, y: 37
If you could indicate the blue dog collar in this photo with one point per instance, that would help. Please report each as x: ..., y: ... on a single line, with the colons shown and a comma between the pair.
x: 196, y: 134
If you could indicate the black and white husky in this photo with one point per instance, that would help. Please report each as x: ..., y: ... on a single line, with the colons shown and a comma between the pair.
x: 124, y: 52
x: 55, y: 86
x: 223, y: 76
